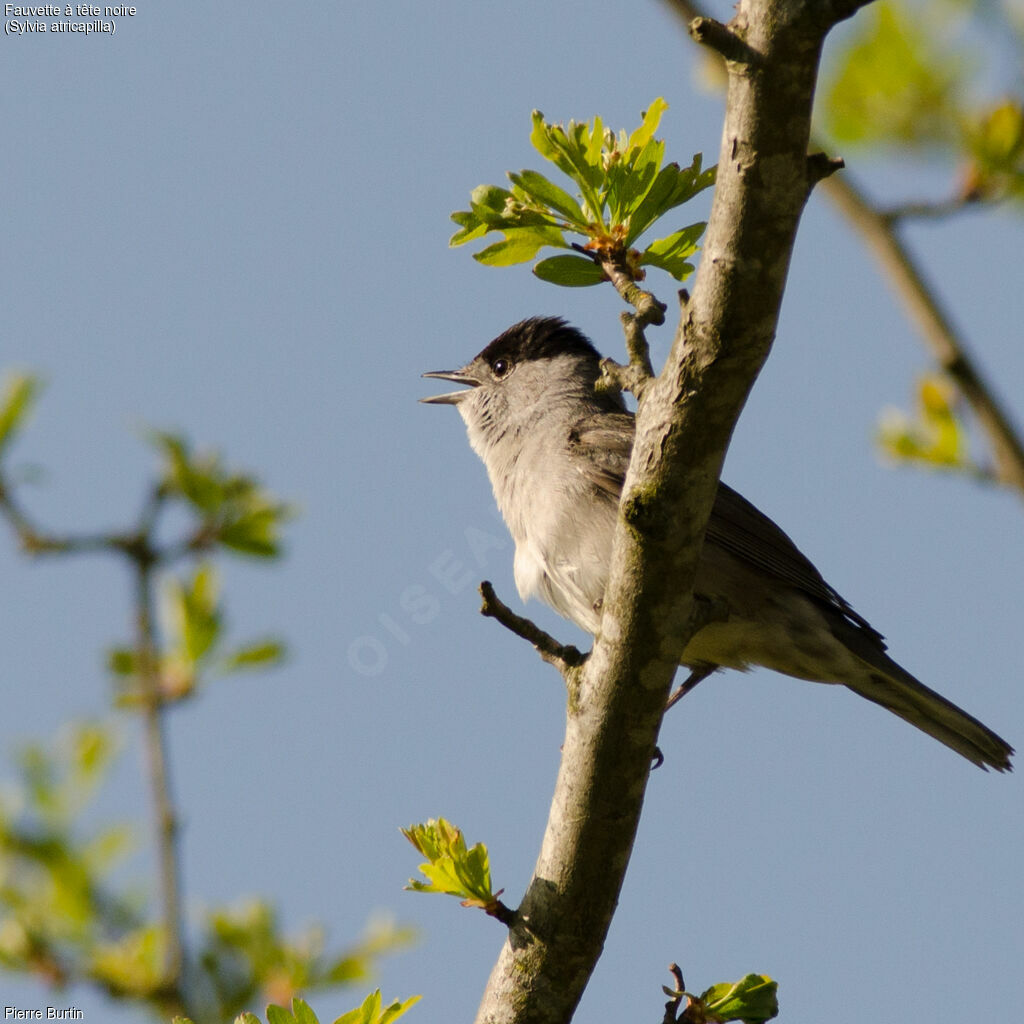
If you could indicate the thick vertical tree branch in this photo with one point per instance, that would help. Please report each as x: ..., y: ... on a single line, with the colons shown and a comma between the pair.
x: 684, y: 423
x: 879, y: 228
x: 948, y: 347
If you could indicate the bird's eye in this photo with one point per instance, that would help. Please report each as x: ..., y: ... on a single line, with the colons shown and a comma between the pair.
x: 500, y: 368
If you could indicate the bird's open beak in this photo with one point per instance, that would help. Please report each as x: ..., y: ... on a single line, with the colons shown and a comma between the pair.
x: 453, y: 397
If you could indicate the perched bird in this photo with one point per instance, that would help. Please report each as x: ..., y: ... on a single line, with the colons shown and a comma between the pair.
x: 556, y: 452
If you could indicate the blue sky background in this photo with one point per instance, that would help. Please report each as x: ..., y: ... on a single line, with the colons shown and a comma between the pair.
x: 233, y: 221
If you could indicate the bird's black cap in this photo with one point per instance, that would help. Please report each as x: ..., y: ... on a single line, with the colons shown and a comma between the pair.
x: 540, y: 337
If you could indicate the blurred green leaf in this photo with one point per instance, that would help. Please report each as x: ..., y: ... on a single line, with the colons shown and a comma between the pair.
x: 302, y: 1012
x: 934, y: 436
x: 234, y: 509
x: 16, y: 402
x: 995, y: 139
x: 121, y: 661
x: 257, y: 655
x: 192, y: 612
x: 193, y: 642
x: 133, y: 965
x: 895, y: 84
x: 245, y: 953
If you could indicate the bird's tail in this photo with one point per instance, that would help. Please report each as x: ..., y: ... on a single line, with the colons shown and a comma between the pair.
x: 886, y: 683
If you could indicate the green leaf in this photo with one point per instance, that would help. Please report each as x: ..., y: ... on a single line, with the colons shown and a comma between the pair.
x: 541, y: 138
x: 569, y: 151
x: 279, y: 1015
x: 254, y: 533
x: 636, y: 180
x: 569, y: 271
x: 450, y: 867
x: 121, y: 661
x: 247, y: 1018
x: 656, y: 201
x: 370, y: 1011
x: 995, y: 138
x: 193, y: 620
x: 258, y: 655
x: 133, y: 964
x: 397, y: 1009
x: 16, y: 403
x: 935, y: 435
x: 470, y: 228
x: 670, y: 253
x: 672, y: 187
x: 302, y: 1012
x: 488, y: 204
x: 520, y: 245
x: 549, y: 194
x: 651, y: 119
x: 753, y: 1000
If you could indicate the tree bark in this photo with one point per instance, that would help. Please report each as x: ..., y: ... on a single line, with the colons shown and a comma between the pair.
x: 684, y: 422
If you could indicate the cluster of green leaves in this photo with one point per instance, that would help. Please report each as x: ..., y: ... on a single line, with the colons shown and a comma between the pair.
x: 245, y: 955
x: 934, y: 435
x: 234, y: 509
x: 753, y: 1000
x: 451, y: 868
x: 899, y: 83
x: 60, y: 916
x: 192, y: 642
x: 64, y: 920
x: 622, y: 189
x: 371, y: 1011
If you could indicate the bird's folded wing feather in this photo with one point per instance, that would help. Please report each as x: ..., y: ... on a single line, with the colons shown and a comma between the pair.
x: 605, y: 442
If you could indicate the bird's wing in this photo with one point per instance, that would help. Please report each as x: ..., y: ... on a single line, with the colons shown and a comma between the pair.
x: 605, y: 442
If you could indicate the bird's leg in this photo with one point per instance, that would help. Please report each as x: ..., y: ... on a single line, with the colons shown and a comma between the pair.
x: 695, y: 676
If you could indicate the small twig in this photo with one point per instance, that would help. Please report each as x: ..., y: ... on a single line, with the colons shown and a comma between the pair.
x: 616, y: 267
x: 679, y: 987
x: 720, y: 38
x: 948, y: 347
x: 938, y: 209
x: 639, y: 373
x: 648, y: 309
x: 821, y: 166
x: 34, y: 541
x: 155, y: 745
x: 501, y: 912
x: 564, y: 657
x: 145, y: 557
